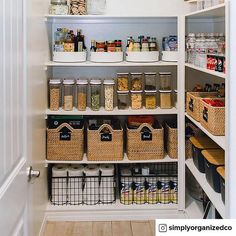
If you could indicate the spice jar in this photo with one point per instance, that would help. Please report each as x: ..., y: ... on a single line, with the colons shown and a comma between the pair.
x: 111, y: 46
x: 123, y: 81
x: 136, y: 81
x: 100, y: 46
x: 109, y: 94
x: 118, y: 44
x: 78, y: 7
x: 150, y: 81
x: 176, y: 98
x: 150, y: 99
x: 68, y: 94
x: 82, y: 94
x: 136, y: 100
x: 95, y: 94
x: 136, y: 47
x: 165, y: 80
x: 54, y: 94
x: 123, y: 100
x: 165, y: 99
x: 59, y: 7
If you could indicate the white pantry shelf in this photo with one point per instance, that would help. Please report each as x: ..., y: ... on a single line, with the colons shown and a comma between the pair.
x: 220, y: 140
x: 210, y: 72
x: 214, y: 197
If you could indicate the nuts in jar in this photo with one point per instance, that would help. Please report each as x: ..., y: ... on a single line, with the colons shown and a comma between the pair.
x: 54, y: 94
x: 78, y: 7
x: 136, y: 81
x: 122, y: 81
x: 150, y: 99
x: 165, y: 99
x: 82, y: 94
x: 59, y: 7
x: 136, y: 100
x: 109, y: 94
x: 68, y: 95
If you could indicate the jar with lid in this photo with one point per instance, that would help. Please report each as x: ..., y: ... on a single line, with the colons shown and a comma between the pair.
x: 96, y: 7
x: 123, y: 100
x: 109, y: 94
x: 150, y: 81
x: 118, y: 44
x: 68, y: 100
x: 150, y: 99
x: 111, y: 46
x: 100, y: 46
x: 136, y: 81
x: 95, y: 94
x: 136, y: 99
x: 165, y: 99
x: 165, y: 80
x: 59, y: 7
x: 82, y: 86
x: 54, y: 94
x: 78, y: 7
x: 136, y: 47
x: 122, y: 81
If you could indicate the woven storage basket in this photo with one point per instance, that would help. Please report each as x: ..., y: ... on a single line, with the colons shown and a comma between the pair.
x: 99, y: 150
x: 138, y: 149
x: 213, y: 118
x: 171, y: 141
x: 67, y: 148
x: 193, y: 102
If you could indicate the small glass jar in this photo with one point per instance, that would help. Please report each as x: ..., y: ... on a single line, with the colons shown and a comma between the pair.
x: 165, y: 80
x: 150, y: 99
x: 100, y: 46
x: 54, y: 94
x: 59, y: 7
x: 78, y: 7
x: 176, y: 98
x: 109, y: 94
x: 111, y: 46
x: 123, y: 100
x: 122, y: 81
x: 95, y: 94
x: 136, y: 47
x: 165, y: 99
x: 82, y: 86
x: 150, y: 81
x: 136, y: 100
x: 68, y: 100
x: 136, y: 81
x: 145, y: 47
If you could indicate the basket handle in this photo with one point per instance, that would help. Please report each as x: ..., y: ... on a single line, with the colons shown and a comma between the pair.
x: 145, y: 125
x: 65, y: 125
x: 104, y: 126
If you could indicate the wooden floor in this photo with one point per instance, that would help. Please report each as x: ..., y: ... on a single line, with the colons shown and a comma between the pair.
x: 115, y: 228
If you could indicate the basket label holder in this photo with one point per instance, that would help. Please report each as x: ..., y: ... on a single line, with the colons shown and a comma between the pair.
x: 65, y: 134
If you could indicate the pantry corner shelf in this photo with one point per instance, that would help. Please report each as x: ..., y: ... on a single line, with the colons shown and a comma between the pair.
x: 214, y: 197
x: 210, y: 72
x: 220, y: 140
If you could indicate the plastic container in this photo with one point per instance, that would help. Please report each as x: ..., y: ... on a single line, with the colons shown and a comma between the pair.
x: 109, y: 94
x: 136, y: 99
x: 123, y: 100
x: 221, y: 172
x: 122, y: 81
x: 68, y: 98
x: 96, y: 7
x: 198, y: 145
x: 150, y: 81
x: 213, y: 159
x: 95, y: 94
x: 165, y: 99
x: 54, y: 94
x: 82, y: 86
x: 59, y: 7
x: 165, y: 80
x: 150, y: 99
x: 136, y: 81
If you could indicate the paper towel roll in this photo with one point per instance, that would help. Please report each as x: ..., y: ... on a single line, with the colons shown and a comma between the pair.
x: 91, y: 188
x: 107, y: 192
x: 59, y: 184
x: 126, y: 192
x: 75, y: 184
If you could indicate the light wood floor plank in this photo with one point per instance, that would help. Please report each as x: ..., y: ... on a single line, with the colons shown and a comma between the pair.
x: 102, y: 229
x: 152, y: 225
x: 83, y: 229
x: 49, y: 229
x: 63, y: 228
x: 121, y: 228
x: 141, y: 228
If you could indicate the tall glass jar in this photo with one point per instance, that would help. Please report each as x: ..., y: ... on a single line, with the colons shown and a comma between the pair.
x: 59, y: 7
x: 136, y: 100
x: 82, y: 86
x: 122, y: 81
x: 68, y: 99
x: 109, y: 94
x: 165, y: 99
x: 95, y: 94
x: 150, y: 99
x: 123, y: 100
x: 150, y: 81
x: 165, y: 80
x: 54, y: 94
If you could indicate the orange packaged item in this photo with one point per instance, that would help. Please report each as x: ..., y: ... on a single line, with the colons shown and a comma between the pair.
x: 138, y: 120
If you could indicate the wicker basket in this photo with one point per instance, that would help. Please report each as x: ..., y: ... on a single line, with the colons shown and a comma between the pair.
x: 105, y: 146
x: 213, y: 118
x: 193, y: 102
x: 65, y: 143
x: 150, y: 147
x: 171, y: 141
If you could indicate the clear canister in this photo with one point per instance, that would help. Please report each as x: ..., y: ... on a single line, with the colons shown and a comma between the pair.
x: 54, y: 94
x: 176, y: 98
x: 82, y: 86
x: 109, y: 94
x: 122, y: 81
x: 59, y: 7
x: 95, y: 94
x: 123, y: 100
x: 68, y: 101
x: 136, y: 81
x: 165, y: 99
x: 150, y: 99
x: 150, y: 80
x: 165, y: 80
x: 136, y: 99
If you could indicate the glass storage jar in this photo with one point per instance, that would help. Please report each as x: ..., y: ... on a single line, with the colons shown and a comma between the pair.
x: 122, y: 81
x: 165, y: 99
x: 59, y: 7
x: 68, y: 100
x: 136, y: 81
x: 109, y: 94
x: 150, y: 81
x: 78, y: 7
x: 136, y: 99
x: 54, y: 94
x: 95, y: 94
x: 123, y: 100
x: 96, y: 7
x: 165, y: 80
x: 82, y: 86
x: 150, y: 99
